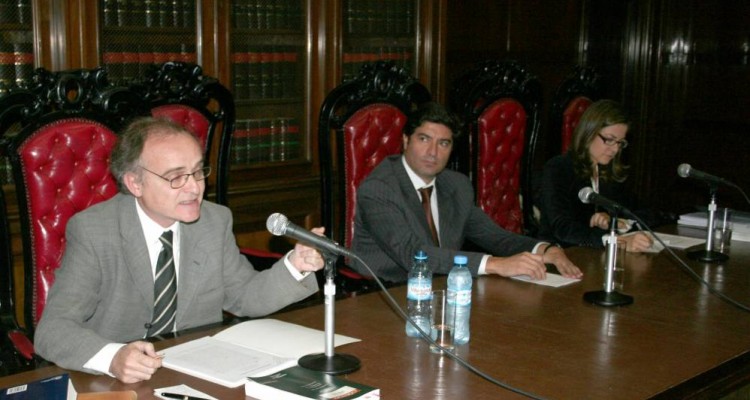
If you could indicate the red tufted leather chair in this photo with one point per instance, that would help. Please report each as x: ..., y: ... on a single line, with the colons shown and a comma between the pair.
x: 500, y: 150
x: 63, y: 131
x: 499, y: 103
x: 180, y: 92
x: 575, y: 94
x: 362, y: 121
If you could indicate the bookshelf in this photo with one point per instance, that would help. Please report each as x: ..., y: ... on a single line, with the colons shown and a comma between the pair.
x: 138, y: 33
x: 16, y: 44
x: 16, y: 56
x: 376, y: 30
x: 269, y: 59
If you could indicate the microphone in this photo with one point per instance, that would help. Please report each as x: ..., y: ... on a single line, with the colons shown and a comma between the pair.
x: 588, y: 195
x: 278, y: 224
x: 686, y: 171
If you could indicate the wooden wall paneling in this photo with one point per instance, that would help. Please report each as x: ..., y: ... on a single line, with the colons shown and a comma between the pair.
x: 717, y: 100
x: 431, y: 44
x: 685, y: 82
x: 41, y: 16
x: 661, y: 99
x: 82, y: 34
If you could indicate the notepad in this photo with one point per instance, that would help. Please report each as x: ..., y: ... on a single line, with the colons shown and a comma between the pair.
x: 554, y: 280
x: 249, y: 349
x: 679, y: 242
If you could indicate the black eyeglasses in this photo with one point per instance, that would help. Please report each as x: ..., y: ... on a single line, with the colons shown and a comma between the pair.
x: 180, y: 180
x: 613, y: 142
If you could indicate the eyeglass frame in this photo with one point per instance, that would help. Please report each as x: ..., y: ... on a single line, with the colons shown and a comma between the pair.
x: 612, y: 142
x: 206, y: 173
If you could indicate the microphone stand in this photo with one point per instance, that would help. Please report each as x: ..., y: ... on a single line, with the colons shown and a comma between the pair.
x: 609, y: 296
x: 708, y: 254
x: 329, y: 362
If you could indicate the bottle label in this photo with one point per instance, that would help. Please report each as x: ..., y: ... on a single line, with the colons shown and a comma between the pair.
x: 419, y: 289
x: 462, y: 298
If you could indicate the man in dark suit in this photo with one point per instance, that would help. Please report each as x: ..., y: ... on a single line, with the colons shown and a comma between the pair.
x: 391, y: 225
x: 103, y: 299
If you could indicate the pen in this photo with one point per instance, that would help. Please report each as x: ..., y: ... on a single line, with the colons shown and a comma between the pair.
x: 181, y: 396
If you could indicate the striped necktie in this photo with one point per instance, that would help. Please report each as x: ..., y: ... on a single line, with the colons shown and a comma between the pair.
x: 165, y: 289
x: 426, y: 193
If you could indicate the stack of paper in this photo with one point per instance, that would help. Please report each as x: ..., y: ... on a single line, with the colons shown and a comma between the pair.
x: 740, y: 221
x: 253, y: 348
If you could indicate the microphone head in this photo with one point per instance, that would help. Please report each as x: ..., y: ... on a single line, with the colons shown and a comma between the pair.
x: 277, y: 224
x: 684, y: 170
x: 585, y: 194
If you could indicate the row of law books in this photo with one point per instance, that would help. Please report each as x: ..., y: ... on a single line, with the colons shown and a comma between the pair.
x: 15, y: 12
x: 265, y: 139
x: 126, y: 62
x: 265, y: 72
x: 354, y: 58
x: 16, y: 65
x: 267, y: 14
x: 149, y: 13
x: 368, y: 17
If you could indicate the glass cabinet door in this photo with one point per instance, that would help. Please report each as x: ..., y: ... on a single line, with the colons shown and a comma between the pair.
x: 376, y: 30
x: 268, y: 70
x: 138, y: 33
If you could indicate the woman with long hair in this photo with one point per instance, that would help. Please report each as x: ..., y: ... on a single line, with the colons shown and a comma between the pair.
x: 593, y: 160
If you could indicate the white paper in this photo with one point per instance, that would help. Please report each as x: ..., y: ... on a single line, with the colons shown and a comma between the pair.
x: 253, y: 348
x: 281, y: 338
x: 554, y: 280
x: 679, y: 242
x: 740, y: 223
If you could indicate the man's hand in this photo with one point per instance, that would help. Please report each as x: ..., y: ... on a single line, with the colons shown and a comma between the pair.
x: 305, y: 258
x: 555, y: 255
x: 135, y: 362
x: 520, y: 264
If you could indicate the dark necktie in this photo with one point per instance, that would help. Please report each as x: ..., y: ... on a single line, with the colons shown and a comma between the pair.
x: 426, y: 193
x: 165, y: 289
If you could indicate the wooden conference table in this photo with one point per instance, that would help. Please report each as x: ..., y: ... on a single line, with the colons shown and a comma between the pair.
x: 676, y: 340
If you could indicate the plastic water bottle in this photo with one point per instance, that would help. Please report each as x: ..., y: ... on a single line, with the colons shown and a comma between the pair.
x: 419, y: 291
x: 459, y: 296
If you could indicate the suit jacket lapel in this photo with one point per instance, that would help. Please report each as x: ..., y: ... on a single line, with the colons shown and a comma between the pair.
x: 136, y: 254
x: 192, y: 257
x: 449, y: 219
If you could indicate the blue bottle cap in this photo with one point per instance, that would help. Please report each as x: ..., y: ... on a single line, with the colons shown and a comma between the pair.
x: 460, y: 259
x: 421, y: 255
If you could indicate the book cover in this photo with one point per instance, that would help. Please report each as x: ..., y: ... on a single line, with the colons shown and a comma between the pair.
x: 57, y: 387
x: 300, y: 383
x: 249, y: 349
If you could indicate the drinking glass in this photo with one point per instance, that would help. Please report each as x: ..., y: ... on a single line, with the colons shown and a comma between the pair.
x: 723, y: 231
x: 442, y: 322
